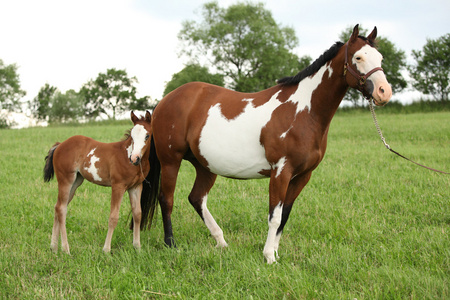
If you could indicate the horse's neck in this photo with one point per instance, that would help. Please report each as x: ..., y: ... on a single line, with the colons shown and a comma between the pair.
x: 328, y: 95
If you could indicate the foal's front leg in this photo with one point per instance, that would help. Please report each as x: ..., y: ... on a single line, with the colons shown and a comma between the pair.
x: 116, y: 200
x: 135, y: 200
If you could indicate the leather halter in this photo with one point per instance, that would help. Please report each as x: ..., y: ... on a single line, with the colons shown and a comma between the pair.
x: 362, y: 78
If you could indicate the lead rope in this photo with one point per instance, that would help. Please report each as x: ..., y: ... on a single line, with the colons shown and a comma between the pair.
x: 145, y: 179
x: 372, y: 110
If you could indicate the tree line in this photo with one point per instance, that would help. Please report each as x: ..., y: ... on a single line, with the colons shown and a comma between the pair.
x: 240, y: 47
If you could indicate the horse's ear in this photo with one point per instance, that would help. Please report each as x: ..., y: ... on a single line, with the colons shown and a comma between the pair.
x: 148, y: 116
x: 373, y: 35
x: 133, y: 117
x: 354, y: 34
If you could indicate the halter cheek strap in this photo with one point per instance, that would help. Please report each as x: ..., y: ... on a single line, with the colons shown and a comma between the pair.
x: 362, y: 78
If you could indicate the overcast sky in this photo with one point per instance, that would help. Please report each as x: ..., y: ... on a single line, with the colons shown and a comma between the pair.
x: 67, y: 42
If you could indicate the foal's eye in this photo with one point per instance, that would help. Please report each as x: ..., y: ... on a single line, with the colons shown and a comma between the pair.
x: 147, y: 136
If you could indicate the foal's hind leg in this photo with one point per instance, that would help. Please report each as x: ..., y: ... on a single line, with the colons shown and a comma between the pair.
x: 135, y: 200
x: 198, y: 198
x: 116, y: 200
x: 66, y: 191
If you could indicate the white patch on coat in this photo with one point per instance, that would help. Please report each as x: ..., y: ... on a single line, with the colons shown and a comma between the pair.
x: 92, y: 169
x: 272, y: 239
x: 232, y: 148
x: 302, y: 96
x: 138, y: 134
x: 215, y: 230
x: 280, y: 165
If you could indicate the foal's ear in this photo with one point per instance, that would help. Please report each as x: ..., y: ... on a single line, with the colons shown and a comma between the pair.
x: 373, y: 35
x: 148, y: 116
x: 133, y: 117
x: 354, y: 34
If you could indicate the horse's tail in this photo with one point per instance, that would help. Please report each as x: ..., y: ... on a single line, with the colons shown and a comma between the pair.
x: 150, y: 188
x: 49, y: 171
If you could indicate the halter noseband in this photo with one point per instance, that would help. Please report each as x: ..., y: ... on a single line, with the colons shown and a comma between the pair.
x: 362, y: 78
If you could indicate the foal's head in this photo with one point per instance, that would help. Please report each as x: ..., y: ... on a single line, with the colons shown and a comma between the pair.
x: 364, y: 70
x: 140, y: 136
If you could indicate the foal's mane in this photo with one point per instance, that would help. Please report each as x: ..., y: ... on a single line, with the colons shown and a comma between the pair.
x: 314, y: 67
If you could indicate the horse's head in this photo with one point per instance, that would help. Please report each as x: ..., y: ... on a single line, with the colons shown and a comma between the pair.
x: 363, y: 70
x: 140, y: 136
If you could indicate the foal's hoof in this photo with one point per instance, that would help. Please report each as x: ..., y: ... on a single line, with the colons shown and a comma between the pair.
x: 222, y: 245
x: 137, y: 247
x: 54, y: 249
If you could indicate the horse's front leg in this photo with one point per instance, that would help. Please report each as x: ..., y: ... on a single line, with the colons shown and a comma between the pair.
x: 296, y: 185
x: 116, y: 200
x: 279, y: 182
x: 135, y: 200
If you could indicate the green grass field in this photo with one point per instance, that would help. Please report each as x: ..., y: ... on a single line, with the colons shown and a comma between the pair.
x: 369, y: 225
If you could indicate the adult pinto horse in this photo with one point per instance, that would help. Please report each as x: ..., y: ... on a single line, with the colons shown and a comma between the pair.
x: 279, y: 133
x: 119, y: 165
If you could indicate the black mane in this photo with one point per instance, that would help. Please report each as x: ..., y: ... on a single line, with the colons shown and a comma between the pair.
x: 314, y: 67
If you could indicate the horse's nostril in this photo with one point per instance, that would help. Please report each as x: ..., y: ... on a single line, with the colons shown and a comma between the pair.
x: 382, y: 90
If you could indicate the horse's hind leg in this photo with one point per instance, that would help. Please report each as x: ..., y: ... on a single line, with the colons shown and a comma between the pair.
x: 198, y: 198
x: 169, y: 174
x: 66, y: 190
x: 116, y: 200
x: 135, y: 200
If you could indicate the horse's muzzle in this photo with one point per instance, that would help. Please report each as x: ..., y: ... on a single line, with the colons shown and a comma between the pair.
x: 135, y: 162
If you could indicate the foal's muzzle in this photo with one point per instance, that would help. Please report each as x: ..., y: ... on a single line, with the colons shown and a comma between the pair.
x: 136, y: 161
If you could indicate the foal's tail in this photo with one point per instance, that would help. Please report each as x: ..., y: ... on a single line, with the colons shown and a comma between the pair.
x: 49, y: 172
x: 150, y: 188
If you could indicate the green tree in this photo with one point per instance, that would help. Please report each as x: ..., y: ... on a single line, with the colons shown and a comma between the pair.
x: 430, y: 75
x: 65, y: 107
x: 10, y: 91
x: 394, y: 62
x: 192, y: 72
x: 41, y: 104
x: 111, y: 93
x: 242, y: 42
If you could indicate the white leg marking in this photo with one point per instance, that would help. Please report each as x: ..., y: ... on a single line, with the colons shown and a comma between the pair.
x: 215, y: 230
x: 272, y: 242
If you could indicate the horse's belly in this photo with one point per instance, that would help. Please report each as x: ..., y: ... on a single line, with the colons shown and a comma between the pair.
x: 232, y: 148
x: 235, y: 162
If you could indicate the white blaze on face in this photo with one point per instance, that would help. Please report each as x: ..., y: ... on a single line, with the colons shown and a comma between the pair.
x: 366, y: 59
x: 138, y: 135
x: 232, y: 148
x: 302, y: 96
x: 92, y: 169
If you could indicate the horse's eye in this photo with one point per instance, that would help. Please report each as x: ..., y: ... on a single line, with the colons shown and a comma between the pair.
x: 358, y: 58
